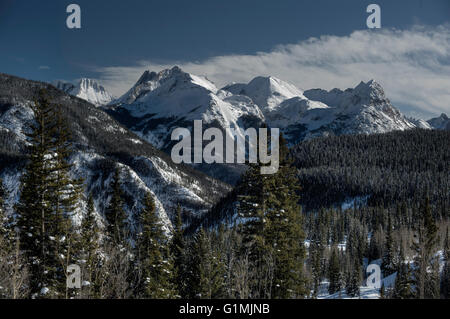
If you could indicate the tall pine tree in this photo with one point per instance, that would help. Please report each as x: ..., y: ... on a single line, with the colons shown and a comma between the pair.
x: 252, y: 198
x: 207, y: 276
x: 115, y: 213
x: 89, y: 250
x: 285, y: 232
x: 66, y: 193
x: 178, y: 253
x: 153, y: 255
x: 6, y: 233
x: 273, y: 229
x: 445, y: 280
x: 48, y: 198
x: 424, y: 246
x: 387, y: 264
x: 334, y: 272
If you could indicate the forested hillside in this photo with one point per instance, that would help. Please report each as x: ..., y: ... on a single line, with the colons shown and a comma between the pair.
x: 379, y: 199
x: 385, y: 168
x: 99, y: 145
x: 367, y: 170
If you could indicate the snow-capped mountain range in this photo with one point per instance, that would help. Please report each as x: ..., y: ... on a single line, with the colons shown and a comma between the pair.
x: 86, y: 89
x: 160, y: 102
x: 182, y: 97
x: 100, y: 145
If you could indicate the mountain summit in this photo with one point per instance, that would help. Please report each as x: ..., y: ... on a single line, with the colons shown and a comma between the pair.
x: 164, y: 83
x: 86, y: 89
x: 440, y: 123
x: 267, y: 92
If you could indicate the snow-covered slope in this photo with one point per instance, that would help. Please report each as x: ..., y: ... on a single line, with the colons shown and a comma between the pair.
x: 86, y: 89
x: 419, y: 123
x: 267, y: 92
x: 101, y: 145
x: 292, y: 111
x: 440, y: 123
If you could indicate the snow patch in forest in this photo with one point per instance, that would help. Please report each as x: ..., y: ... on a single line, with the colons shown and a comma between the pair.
x: 349, y: 203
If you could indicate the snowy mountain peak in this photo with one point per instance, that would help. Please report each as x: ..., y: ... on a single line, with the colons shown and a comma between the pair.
x: 371, y: 89
x: 147, y: 76
x: 364, y: 95
x: 440, y: 123
x: 165, y: 82
x: 86, y: 89
x: 163, y: 75
x: 86, y: 84
x: 266, y: 92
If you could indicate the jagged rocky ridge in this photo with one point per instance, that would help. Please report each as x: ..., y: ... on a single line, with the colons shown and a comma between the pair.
x: 86, y: 89
x: 440, y: 123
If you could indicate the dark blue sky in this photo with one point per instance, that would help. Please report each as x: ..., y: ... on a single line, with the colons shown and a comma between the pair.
x: 33, y: 34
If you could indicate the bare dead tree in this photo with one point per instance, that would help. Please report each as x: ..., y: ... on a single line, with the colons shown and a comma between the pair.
x: 115, y: 269
x: 13, y: 273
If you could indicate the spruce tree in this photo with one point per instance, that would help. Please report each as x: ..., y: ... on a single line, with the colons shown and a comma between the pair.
x: 2, y: 200
x: 48, y: 198
x: 153, y: 255
x: 354, y: 279
x: 89, y: 250
x: 445, y: 280
x: 252, y: 196
x: 432, y: 287
x: 424, y: 245
x: 285, y: 229
x: 272, y: 233
x: 13, y: 269
x: 334, y: 272
x: 66, y: 193
x: 403, y: 283
x: 6, y: 233
x: 387, y: 264
x: 374, y: 247
x: 178, y: 253
x: 34, y: 208
x: 315, y: 260
x: 115, y: 213
x: 207, y: 277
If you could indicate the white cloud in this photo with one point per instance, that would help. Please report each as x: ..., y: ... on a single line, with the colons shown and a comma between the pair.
x: 44, y: 67
x: 412, y: 65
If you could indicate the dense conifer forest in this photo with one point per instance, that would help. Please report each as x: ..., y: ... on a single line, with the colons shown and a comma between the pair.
x: 380, y: 198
